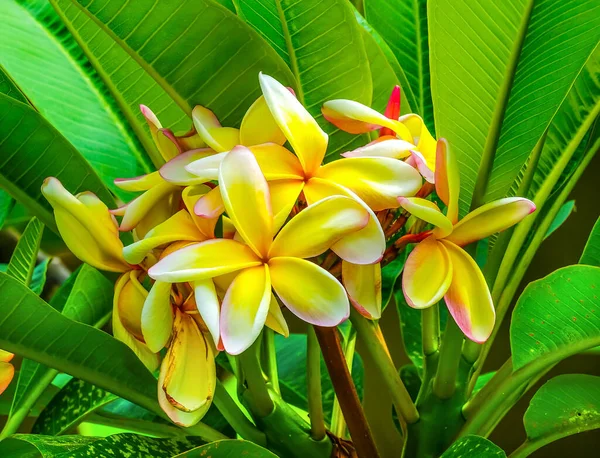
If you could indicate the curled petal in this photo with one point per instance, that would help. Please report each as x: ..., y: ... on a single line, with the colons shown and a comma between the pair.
x: 428, y: 212
x: 86, y: 226
x: 275, y: 319
x: 210, y: 205
x: 365, y: 246
x: 187, y: 379
x: 309, y: 291
x: 210, y: 131
x: 378, y: 181
x: 246, y: 198
x: 157, y: 316
x: 427, y: 274
x: 468, y: 298
x: 204, y: 260
x: 490, y: 218
x: 447, y: 178
x: 284, y: 194
x: 175, y: 171
x: 245, y: 308
x: 393, y: 148
x: 178, y: 227
x: 302, y: 131
x: 258, y: 126
x: 277, y: 163
x: 317, y: 228
x: 139, y: 207
x: 191, y: 195
x: 363, y: 284
x: 131, y: 301
x: 424, y: 167
x: 206, y: 168
x: 7, y: 372
x: 141, y: 183
x: 421, y: 137
x: 167, y: 144
x: 207, y: 303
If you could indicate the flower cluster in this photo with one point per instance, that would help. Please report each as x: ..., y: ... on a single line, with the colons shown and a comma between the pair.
x: 236, y: 226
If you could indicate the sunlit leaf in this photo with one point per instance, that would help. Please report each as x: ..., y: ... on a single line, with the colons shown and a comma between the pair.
x: 475, y: 446
x: 228, y: 449
x: 562, y: 215
x: 24, y: 258
x: 591, y: 252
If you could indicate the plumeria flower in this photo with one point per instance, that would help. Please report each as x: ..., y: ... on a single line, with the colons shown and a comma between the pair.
x: 438, y: 267
x: 264, y: 262
x: 400, y: 136
x: 7, y: 370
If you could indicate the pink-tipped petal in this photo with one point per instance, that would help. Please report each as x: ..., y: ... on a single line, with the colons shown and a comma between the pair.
x: 393, y: 148
x: 429, y: 212
x: 363, y: 284
x: 209, y: 129
x: 392, y: 109
x: 210, y: 205
x: 175, y: 171
x: 447, y: 178
x: 138, y: 184
x: 422, y: 166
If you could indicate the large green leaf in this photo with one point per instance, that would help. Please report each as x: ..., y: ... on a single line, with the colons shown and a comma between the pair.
x: 566, y: 405
x: 556, y: 317
x: 591, y: 252
x: 74, y: 348
x: 403, y: 25
x: 322, y: 44
x: 23, y: 260
x: 213, y: 61
x: 70, y: 95
x: 129, y: 84
x: 499, y: 72
x: 474, y: 446
x: 228, y: 449
x: 563, y: 213
x: 38, y: 279
x: 115, y: 446
x: 6, y: 205
x: 31, y: 150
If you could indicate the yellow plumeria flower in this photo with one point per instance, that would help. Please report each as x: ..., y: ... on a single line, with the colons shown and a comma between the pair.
x: 403, y: 136
x: 438, y: 267
x: 263, y: 262
x: 7, y: 370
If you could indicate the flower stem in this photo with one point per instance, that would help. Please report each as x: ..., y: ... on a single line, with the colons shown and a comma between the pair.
x: 430, y: 329
x: 338, y: 423
x: 369, y: 336
x: 260, y: 401
x: 444, y: 383
x: 346, y: 392
x: 313, y: 379
x: 269, y: 357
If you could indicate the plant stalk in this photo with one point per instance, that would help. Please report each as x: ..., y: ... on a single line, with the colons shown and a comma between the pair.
x: 430, y: 329
x: 444, y: 383
x: 313, y: 379
x: 260, y: 401
x: 270, y: 359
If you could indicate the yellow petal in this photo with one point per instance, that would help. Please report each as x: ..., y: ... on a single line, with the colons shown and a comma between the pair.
x: 421, y: 137
x: 468, y: 298
x: 157, y: 316
x: 139, y: 207
x: 277, y: 163
x: 490, y: 218
x: 146, y: 356
x: 428, y: 212
x: 302, y: 131
x: 175, y: 171
x: 131, y: 300
x: 258, y: 126
x: 178, y: 227
x: 188, y: 373
x: 427, y: 274
x: 204, y: 260
x: 246, y: 198
x: 208, y: 306
x: 357, y: 118
x: 210, y: 131
x: 141, y: 183
x: 309, y: 291
x: 424, y: 167
x: 7, y: 372
x: 162, y: 210
x: 378, y: 181
x: 318, y: 227
x: 86, y: 226
x: 447, y: 179
x: 365, y: 246
x: 6, y: 356
x: 394, y: 148
x: 191, y: 195
x: 284, y: 194
x: 363, y: 284
x: 245, y: 308
x: 167, y: 144
x: 210, y: 205
x: 275, y: 319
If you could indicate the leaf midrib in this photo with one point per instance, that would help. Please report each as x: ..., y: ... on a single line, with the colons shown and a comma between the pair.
x: 291, y: 50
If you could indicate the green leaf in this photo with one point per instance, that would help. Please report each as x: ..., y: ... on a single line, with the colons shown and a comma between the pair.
x: 10, y: 88
x: 475, y: 446
x: 214, y: 61
x: 23, y: 259
x: 74, y: 402
x: 563, y: 213
x: 494, y: 88
x: 70, y: 95
x: 411, y: 377
x: 565, y: 405
x: 322, y: 45
x: 403, y: 25
x: 228, y: 449
x: 31, y: 150
x: 38, y: 279
x: 481, y: 381
x: 129, y: 84
x: 6, y: 205
x: 591, y: 252
x: 389, y: 277
x: 74, y: 348
x: 115, y: 446
x: 556, y: 316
